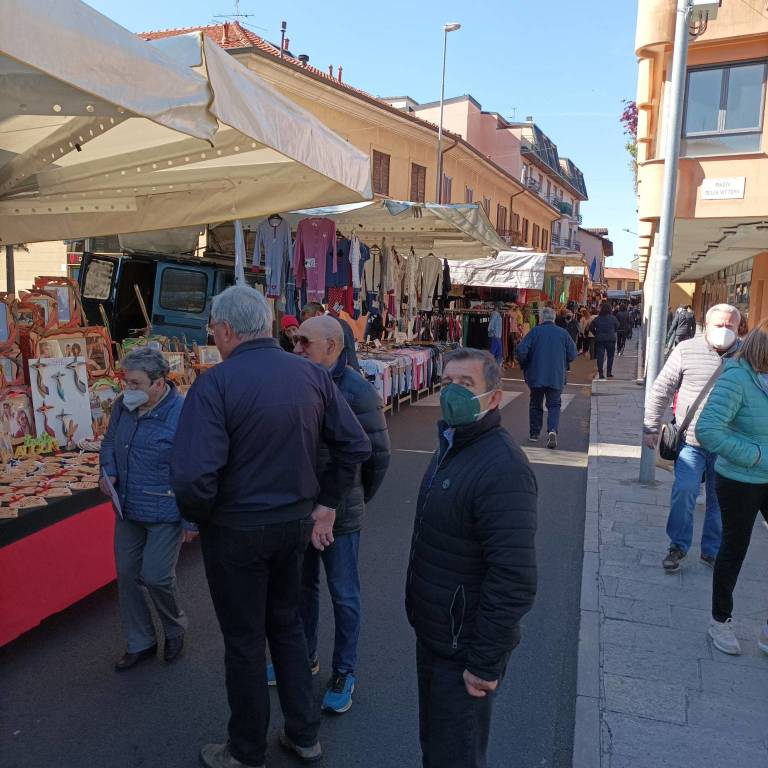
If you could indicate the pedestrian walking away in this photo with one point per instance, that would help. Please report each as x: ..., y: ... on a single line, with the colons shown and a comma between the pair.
x: 688, y: 370
x: 244, y: 466
x: 683, y: 326
x: 734, y: 426
x: 472, y: 570
x: 148, y: 530
x: 544, y: 356
x: 321, y: 340
x: 605, y: 330
x: 625, y: 329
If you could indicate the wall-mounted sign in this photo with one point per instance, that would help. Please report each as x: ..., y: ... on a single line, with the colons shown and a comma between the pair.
x: 730, y: 188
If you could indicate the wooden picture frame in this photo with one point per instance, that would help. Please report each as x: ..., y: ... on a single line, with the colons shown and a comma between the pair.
x: 8, y: 304
x: 45, y: 303
x: 103, y: 392
x: 11, y: 365
x: 69, y: 307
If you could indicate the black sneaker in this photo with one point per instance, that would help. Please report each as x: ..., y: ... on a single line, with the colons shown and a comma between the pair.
x: 708, y: 560
x: 672, y: 561
x: 610, y: 375
x: 533, y: 438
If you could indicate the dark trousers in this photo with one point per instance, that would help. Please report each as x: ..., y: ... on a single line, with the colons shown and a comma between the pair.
x: 739, y: 505
x: 621, y: 340
x: 255, y: 582
x: 453, y: 726
x: 341, y: 573
x: 536, y: 409
x: 601, y: 349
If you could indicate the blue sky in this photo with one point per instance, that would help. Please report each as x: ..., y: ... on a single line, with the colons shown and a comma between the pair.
x: 567, y: 64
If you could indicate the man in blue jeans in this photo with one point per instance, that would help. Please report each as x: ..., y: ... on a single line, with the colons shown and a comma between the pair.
x: 321, y: 340
x: 687, y: 371
x: 544, y: 356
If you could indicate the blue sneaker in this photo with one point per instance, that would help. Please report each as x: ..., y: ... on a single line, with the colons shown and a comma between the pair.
x: 314, y: 665
x: 338, y: 693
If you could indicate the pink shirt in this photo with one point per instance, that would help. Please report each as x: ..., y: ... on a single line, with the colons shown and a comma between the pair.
x: 315, y: 240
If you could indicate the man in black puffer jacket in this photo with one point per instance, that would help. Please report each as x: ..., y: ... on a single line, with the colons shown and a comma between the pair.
x: 472, y: 571
x: 321, y: 340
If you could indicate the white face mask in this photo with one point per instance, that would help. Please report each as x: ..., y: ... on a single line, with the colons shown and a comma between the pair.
x: 721, y: 338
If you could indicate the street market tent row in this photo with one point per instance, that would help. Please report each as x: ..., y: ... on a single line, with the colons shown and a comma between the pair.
x: 191, y: 136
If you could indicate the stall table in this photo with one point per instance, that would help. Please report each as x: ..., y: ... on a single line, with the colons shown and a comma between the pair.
x: 52, y: 557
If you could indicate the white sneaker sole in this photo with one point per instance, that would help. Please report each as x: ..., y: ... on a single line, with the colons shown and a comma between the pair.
x: 722, y: 648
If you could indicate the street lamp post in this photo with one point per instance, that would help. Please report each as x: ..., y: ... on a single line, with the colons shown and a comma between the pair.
x: 452, y: 27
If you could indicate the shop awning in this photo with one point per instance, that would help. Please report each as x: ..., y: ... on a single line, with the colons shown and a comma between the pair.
x: 510, y: 269
x: 101, y: 132
x: 448, y: 231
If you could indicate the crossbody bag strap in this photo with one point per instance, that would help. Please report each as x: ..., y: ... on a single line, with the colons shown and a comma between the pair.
x: 700, y: 399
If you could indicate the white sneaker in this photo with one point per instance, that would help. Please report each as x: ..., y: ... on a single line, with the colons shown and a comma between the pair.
x: 552, y: 440
x: 762, y: 641
x: 723, y: 637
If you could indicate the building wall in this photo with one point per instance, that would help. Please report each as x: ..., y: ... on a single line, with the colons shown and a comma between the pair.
x: 758, y: 299
x: 41, y: 260
x: 371, y: 128
x: 681, y: 294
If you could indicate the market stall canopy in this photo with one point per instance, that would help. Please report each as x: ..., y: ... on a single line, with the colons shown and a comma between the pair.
x: 103, y: 133
x: 510, y: 269
x: 448, y: 231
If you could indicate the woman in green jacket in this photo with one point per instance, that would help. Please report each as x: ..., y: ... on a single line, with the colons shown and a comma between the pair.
x: 734, y: 425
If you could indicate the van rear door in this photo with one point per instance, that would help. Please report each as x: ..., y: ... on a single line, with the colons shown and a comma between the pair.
x: 98, y: 278
x: 182, y: 301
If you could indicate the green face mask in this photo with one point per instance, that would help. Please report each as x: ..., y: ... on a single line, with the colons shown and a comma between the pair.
x: 460, y: 405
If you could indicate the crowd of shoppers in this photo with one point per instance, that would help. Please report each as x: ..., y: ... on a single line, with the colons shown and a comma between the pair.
x: 216, y: 462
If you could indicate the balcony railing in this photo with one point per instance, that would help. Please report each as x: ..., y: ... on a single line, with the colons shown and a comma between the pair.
x: 566, y: 243
x: 576, y: 217
x: 533, y: 184
x: 564, y: 207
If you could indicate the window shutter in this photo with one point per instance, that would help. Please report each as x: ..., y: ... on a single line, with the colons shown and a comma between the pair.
x: 380, y: 173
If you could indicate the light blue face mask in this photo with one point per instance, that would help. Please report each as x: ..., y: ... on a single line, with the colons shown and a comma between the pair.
x: 135, y: 398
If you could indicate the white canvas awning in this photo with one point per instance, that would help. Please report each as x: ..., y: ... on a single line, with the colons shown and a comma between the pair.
x: 103, y: 133
x: 510, y: 269
x: 448, y: 231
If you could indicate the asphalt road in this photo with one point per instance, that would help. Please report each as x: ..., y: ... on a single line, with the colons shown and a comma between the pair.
x: 62, y: 705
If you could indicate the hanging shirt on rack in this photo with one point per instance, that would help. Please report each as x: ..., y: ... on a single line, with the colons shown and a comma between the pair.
x: 430, y: 268
x: 395, y: 268
x: 355, y: 259
x: 273, y: 238
x: 412, y: 271
x: 337, y: 268
x: 494, y: 326
x: 315, y: 244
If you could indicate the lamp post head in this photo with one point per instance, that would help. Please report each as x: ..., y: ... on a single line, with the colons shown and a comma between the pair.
x: 452, y: 27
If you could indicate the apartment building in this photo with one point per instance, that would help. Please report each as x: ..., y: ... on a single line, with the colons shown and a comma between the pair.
x: 721, y: 216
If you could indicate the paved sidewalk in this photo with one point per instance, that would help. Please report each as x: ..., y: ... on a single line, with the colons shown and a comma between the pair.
x: 652, y: 691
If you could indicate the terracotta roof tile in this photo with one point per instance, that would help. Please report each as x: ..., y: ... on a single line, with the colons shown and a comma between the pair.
x: 232, y: 35
x: 620, y: 273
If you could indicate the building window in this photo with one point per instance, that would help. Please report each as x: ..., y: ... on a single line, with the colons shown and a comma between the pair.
x: 487, y: 206
x: 549, y: 188
x: 447, y: 189
x: 380, y: 173
x: 545, y: 240
x: 724, y: 109
x: 618, y: 285
x: 630, y: 285
x: 418, y: 183
x: 515, y: 222
x: 501, y: 218
x: 524, y: 231
x: 536, y: 235
x: 469, y: 195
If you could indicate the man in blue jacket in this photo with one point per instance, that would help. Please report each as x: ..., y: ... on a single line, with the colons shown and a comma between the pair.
x: 544, y: 356
x: 244, y: 467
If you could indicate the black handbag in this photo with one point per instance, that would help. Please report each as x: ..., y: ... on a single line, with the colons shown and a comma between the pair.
x: 671, y: 436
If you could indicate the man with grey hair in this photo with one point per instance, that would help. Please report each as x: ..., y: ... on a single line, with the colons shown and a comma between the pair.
x: 472, y: 571
x: 688, y: 370
x: 544, y: 356
x: 244, y: 468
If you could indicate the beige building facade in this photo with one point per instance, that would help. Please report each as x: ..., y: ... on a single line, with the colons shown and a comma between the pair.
x: 721, y: 218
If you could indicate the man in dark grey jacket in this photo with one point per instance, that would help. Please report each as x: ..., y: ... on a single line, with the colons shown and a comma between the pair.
x: 687, y: 371
x: 244, y: 466
x: 472, y: 570
x: 321, y: 340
